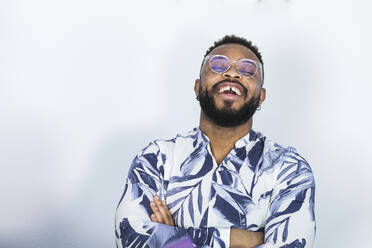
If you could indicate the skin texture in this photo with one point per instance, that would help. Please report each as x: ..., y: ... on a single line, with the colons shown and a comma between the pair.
x: 244, y: 239
x: 222, y: 139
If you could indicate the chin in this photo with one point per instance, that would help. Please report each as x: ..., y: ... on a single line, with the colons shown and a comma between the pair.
x: 233, y: 105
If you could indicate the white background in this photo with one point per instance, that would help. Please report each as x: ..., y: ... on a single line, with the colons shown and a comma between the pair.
x: 84, y: 85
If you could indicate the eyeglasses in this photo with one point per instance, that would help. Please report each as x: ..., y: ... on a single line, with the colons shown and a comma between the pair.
x: 246, y: 67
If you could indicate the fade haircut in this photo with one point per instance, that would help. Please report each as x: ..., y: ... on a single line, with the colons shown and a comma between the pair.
x: 232, y: 39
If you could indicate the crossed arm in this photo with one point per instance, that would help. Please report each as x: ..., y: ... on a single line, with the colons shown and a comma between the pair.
x: 238, y: 237
x: 145, y: 221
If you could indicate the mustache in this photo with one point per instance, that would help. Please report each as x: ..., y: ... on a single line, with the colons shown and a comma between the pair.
x: 214, y: 87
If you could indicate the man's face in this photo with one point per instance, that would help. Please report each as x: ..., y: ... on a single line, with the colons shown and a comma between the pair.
x: 225, y: 107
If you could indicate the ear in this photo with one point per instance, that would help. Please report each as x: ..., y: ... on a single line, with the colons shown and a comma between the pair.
x: 262, y: 95
x: 196, y: 87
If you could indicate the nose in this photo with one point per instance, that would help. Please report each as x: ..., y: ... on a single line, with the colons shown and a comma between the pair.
x: 232, y: 73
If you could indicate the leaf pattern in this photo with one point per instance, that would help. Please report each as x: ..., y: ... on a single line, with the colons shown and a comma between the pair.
x: 259, y: 186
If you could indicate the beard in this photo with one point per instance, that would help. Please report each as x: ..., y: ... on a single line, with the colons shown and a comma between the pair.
x: 226, y: 117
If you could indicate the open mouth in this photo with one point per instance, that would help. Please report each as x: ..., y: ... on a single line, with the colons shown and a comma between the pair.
x: 230, y: 89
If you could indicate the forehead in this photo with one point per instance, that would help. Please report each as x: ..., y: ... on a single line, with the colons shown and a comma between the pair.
x: 235, y: 52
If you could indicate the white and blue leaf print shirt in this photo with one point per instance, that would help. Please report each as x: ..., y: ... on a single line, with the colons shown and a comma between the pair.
x: 259, y: 186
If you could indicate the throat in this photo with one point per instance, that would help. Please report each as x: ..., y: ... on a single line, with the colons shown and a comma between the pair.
x: 222, y: 139
x: 220, y: 152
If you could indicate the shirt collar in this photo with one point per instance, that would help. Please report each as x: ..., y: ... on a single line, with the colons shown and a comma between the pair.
x: 250, y: 138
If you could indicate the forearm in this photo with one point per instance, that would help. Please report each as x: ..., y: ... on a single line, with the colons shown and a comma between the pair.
x: 240, y: 238
x: 156, y: 235
x: 135, y: 229
x: 222, y: 237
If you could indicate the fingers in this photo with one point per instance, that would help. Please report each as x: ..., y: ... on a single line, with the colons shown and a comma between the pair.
x: 156, y: 216
x: 161, y: 213
x: 166, y: 214
x: 154, y: 219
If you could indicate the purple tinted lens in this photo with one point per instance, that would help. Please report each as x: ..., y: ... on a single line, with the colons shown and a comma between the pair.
x: 219, y: 64
x: 247, y: 68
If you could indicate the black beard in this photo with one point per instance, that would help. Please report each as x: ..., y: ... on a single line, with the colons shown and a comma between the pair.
x: 227, y: 117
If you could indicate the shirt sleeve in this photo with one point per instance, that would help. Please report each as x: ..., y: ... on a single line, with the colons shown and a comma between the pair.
x: 290, y: 221
x: 133, y: 226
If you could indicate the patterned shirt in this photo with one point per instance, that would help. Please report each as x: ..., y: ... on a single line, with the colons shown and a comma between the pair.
x: 259, y: 186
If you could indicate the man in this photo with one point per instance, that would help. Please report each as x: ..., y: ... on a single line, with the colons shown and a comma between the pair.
x: 222, y: 184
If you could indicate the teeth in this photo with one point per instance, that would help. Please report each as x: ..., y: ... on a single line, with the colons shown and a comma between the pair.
x: 224, y: 89
x: 236, y: 90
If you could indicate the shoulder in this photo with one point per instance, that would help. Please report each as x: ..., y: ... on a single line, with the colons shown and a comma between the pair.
x: 181, y: 140
x: 159, y: 149
x: 277, y: 153
x: 286, y: 162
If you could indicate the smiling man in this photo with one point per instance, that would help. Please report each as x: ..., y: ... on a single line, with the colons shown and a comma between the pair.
x: 222, y: 184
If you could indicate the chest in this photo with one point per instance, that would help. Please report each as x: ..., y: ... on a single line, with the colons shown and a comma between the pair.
x: 219, y: 196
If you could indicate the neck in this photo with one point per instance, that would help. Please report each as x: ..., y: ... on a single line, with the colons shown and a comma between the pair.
x: 222, y: 139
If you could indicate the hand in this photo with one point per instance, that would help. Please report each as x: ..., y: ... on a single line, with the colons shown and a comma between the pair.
x: 161, y: 213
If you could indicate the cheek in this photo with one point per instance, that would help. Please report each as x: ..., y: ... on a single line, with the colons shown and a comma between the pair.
x: 207, y: 84
x: 209, y: 76
x: 253, y: 90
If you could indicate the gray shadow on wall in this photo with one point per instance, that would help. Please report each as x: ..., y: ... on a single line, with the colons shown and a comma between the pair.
x: 104, y: 185
x: 88, y: 220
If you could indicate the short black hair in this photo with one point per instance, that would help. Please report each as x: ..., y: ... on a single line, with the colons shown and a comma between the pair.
x: 233, y: 39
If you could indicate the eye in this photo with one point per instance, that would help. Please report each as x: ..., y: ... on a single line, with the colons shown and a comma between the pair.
x: 247, y: 67
x: 219, y: 64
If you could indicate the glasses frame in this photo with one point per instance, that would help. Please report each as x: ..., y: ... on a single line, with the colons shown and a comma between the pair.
x: 232, y: 62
